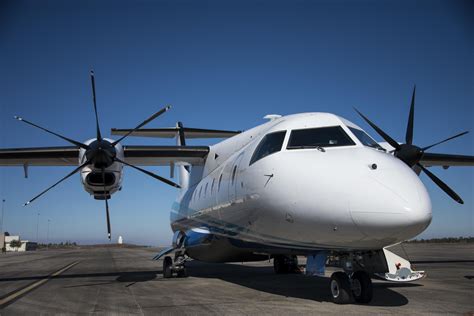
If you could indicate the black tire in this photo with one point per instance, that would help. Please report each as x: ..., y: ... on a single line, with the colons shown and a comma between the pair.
x: 279, y: 265
x: 362, y: 287
x: 340, y: 287
x: 183, y: 273
x: 293, y: 264
x: 167, y: 267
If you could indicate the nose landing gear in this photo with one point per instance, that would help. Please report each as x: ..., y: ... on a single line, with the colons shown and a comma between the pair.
x: 361, y: 286
x: 178, y: 266
x: 340, y: 288
x: 344, y: 288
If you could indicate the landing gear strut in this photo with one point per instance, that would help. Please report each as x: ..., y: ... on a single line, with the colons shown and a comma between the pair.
x: 178, y: 266
x: 285, y: 264
x: 344, y: 288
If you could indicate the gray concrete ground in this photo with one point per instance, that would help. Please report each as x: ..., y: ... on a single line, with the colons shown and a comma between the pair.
x: 110, y: 280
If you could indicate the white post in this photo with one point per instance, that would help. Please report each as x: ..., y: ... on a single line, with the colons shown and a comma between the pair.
x: 3, y: 206
x: 47, y: 236
x: 37, y: 227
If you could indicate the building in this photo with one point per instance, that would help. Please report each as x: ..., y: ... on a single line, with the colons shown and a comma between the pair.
x: 25, y: 244
x: 2, y: 241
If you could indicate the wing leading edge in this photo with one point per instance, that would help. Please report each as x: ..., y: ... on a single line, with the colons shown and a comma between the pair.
x: 446, y: 160
x: 173, y: 131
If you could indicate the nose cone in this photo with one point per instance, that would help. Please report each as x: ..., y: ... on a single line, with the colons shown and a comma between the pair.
x: 392, y: 204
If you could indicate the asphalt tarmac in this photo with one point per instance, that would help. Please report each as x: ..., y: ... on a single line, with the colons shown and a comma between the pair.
x: 112, y: 280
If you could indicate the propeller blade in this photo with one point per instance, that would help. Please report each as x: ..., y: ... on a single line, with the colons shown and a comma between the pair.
x: 99, y: 136
x: 78, y: 144
x: 435, y: 144
x: 151, y: 174
x: 182, y: 138
x: 409, y: 134
x: 109, y: 234
x: 148, y: 120
x: 387, y: 138
x: 443, y: 186
x: 70, y: 174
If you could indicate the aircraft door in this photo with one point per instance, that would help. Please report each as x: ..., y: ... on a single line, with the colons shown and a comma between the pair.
x: 234, y: 178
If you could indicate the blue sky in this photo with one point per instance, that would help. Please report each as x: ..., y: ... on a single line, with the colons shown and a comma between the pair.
x: 223, y: 64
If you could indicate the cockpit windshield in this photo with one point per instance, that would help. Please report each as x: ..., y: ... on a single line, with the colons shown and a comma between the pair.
x: 365, y: 139
x: 332, y: 136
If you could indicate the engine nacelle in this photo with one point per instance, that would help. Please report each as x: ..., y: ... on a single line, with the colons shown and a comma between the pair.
x: 93, y: 180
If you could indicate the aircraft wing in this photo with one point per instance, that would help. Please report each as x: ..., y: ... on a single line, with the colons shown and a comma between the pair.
x: 172, y: 132
x: 430, y: 159
x: 136, y: 155
x: 40, y: 156
x: 164, y: 155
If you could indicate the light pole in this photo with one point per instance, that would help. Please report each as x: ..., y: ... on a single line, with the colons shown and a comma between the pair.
x: 37, y: 227
x: 3, y: 206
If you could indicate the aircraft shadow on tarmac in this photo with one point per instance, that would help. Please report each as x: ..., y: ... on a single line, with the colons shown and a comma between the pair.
x: 253, y: 277
x: 290, y: 285
x: 128, y: 276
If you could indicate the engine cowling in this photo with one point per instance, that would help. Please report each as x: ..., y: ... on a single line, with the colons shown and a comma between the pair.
x: 93, y: 180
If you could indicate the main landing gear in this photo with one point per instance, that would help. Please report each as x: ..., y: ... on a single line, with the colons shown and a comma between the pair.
x: 285, y: 264
x: 357, y: 286
x: 178, y: 266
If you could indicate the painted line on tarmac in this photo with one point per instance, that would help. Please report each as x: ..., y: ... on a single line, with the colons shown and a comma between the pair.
x: 10, y: 297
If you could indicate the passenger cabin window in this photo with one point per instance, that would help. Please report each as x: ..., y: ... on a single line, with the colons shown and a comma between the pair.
x: 205, y: 190
x: 212, y: 185
x: 271, y: 143
x: 365, y: 139
x: 333, y: 136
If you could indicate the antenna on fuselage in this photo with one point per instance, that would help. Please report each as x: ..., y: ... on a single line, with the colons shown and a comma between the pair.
x: 272, y: 117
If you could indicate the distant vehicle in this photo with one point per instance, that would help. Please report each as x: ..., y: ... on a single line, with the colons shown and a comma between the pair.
x: 311, y: 184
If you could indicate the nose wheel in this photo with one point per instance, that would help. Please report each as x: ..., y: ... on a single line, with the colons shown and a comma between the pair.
x: 178, y: 267
x: 340, y: 288
x: 361, y: 287
x: 344, y: 288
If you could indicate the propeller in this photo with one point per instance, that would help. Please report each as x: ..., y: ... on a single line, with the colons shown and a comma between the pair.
x: 182, y: 139
x: 99, y: 136
x: 148, y: 120
x: 109, y: 233
x: 101, y: 153
x: 411, y: 154
x: 67, y: 176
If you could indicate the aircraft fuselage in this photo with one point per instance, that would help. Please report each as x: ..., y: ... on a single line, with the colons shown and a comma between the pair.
x: 348, y: 197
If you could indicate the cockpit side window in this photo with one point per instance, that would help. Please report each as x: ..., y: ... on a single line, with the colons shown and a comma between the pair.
x: 332, y: 136
x: 271, y: 143
x: 365, y: 139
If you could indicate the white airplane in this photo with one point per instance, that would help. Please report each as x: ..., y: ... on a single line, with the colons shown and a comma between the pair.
x: 310, y: 184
